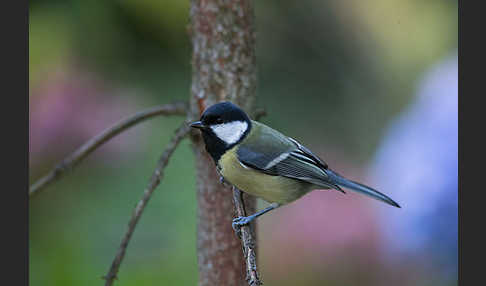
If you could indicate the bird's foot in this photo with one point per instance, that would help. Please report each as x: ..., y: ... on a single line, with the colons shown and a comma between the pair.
x: 242, y: 220
x: 239, y: 222
x: 223, y: 181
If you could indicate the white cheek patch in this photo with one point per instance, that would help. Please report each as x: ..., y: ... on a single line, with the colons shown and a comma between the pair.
x: 230, y: 132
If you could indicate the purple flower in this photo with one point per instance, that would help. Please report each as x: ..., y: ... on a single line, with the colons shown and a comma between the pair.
x: 416, y: 165
x: 70, y: 108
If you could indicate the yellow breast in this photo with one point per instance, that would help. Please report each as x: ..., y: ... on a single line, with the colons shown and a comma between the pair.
x: 277, y: 189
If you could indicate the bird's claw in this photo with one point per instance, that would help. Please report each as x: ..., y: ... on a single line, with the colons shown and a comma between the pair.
x: 238, y: 223
x: 223, y: 181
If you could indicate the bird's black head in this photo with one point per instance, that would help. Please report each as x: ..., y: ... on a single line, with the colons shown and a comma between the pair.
x: 223, y: 125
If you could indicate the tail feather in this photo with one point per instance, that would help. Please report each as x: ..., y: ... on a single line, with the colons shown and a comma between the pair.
x: 343, y: 182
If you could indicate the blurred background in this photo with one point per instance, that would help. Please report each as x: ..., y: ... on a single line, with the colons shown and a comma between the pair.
x: 370, y: 86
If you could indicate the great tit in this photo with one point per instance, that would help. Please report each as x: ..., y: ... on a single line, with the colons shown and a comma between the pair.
x: 265, y: 163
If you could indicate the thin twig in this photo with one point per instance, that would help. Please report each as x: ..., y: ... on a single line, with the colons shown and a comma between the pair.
x: 259, y: 113
x: 247, y: 240
x: 157, y: 175
x: 177, y: 108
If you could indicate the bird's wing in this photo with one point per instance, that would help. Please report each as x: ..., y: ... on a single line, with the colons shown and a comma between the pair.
x: 288, y: 158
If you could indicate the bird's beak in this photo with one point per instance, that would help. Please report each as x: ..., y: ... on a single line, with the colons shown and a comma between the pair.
x: 198, y: 125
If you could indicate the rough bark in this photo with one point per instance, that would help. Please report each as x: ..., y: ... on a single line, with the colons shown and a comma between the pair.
x: 224, y: 68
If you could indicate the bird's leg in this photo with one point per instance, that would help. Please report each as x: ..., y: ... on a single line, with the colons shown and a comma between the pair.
x: 223, y: 181
x: 243, y: 220
x: 221, y: 178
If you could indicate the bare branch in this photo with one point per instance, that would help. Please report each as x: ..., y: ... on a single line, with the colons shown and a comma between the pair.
x: 259, y: 113
x: 176, y: 108
x: 247, y: 240
x: 157, y: 175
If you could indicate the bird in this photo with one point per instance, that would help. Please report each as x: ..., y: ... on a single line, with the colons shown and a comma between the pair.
x: 265, y: 163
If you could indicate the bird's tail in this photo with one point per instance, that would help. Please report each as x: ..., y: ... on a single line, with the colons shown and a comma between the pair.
x: 343, y: 182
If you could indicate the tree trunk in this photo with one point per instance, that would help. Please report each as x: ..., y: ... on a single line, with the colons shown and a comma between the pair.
x: 223, y: 68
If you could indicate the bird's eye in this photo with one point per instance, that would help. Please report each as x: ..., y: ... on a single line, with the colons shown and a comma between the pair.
x: 219, y: 120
